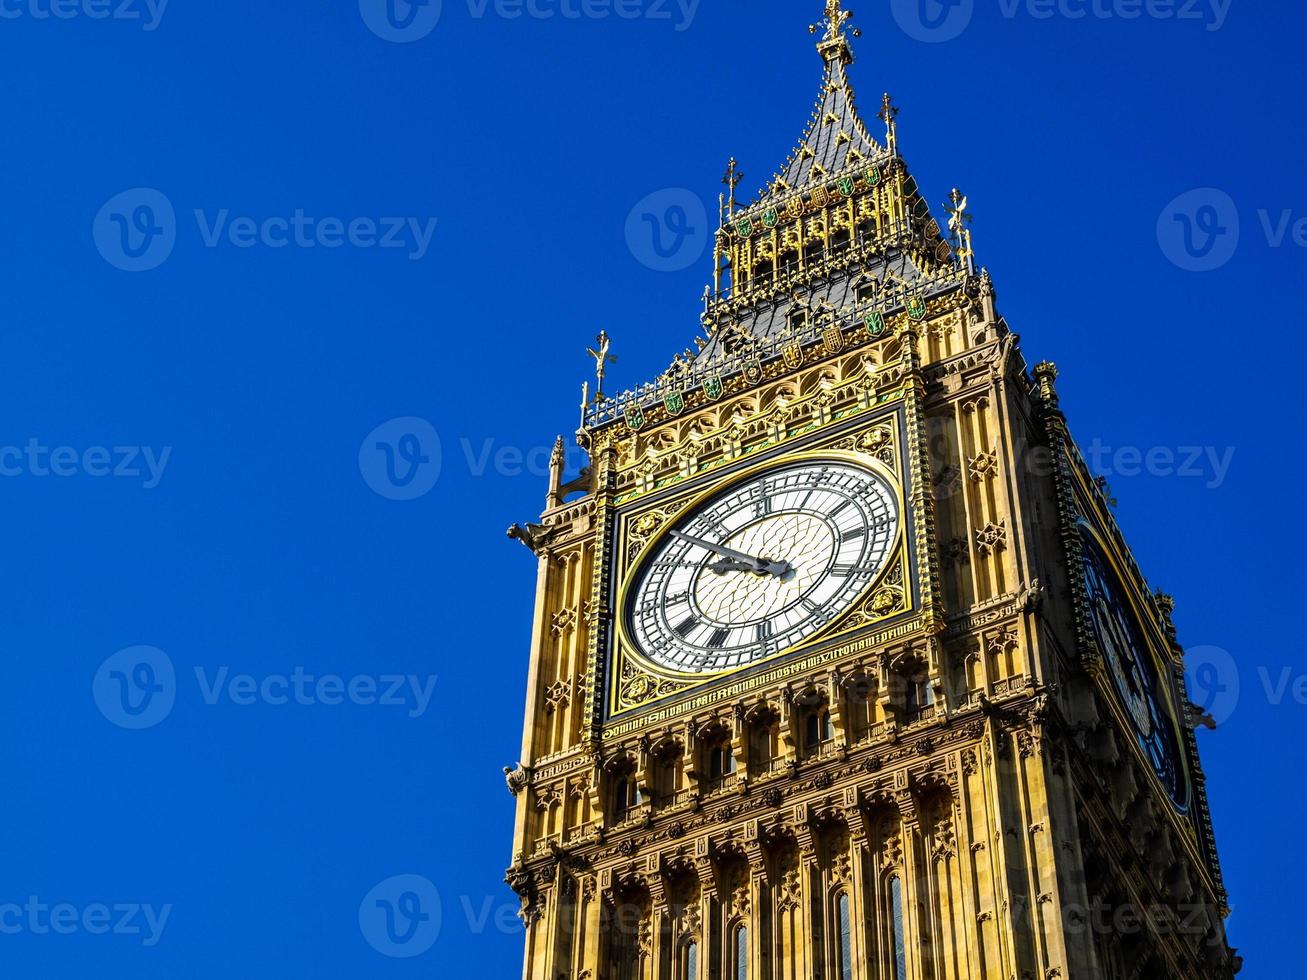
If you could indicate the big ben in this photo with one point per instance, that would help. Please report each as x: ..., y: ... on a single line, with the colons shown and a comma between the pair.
x: 841, y: 667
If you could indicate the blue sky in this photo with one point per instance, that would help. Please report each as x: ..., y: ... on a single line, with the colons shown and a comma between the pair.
x: 388, y: 215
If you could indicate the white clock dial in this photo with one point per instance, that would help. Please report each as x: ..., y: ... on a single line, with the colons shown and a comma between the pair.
x: 763, y: 566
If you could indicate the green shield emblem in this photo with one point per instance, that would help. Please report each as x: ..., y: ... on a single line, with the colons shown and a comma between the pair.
x: 712, y: 387
x: 753, y: 370
x: 873, y: 176
x: 846, y: 186
x: 917, y: 308
x: 674, y: 402
x: 635, y: 418
x: 875, y: 322
x: 744, y: 228
x: 770, y: 217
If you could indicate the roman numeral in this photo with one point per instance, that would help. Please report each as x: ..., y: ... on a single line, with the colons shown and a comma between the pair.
x: 684, y: 629
x: 718, y: 638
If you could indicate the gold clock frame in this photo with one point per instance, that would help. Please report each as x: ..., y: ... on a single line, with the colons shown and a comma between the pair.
x: 634, y: 684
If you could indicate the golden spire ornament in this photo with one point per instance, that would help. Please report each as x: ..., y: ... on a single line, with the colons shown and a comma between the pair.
x: 889, y: 115
x: 732, y: 180
x: 602, y: 360
x: 959, y: 225
x: 836, y: 18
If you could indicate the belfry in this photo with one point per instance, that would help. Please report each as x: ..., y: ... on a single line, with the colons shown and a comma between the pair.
x: 841, y: 667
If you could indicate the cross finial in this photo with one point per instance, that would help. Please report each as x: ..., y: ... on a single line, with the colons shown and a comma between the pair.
x: 732, y: 180
x: 836, y: 18
x: 959, y: 225
x: 889, y: 114
x: 602, y: 360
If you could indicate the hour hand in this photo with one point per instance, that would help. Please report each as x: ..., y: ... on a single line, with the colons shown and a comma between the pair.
x: 739, y: 561
x: 724, y: 565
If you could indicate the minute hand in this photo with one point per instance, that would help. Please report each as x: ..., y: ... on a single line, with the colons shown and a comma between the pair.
x: 777, y: 568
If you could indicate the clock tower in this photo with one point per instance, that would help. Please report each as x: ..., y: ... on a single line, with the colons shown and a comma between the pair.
x: 841, y: 667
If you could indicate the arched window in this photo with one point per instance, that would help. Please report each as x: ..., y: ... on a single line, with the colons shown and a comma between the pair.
x: 721, y: 761
x: 897, y: 928
x: 818, y: 728
x: 764, y: 743
x: 918, y: 695
x: 740, y: 968
x: 626, y: 797
x: 690, y: 960
x: 844, y: 936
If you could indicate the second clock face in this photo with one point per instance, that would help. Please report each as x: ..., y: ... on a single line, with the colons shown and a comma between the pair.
x: 763, y: 566
x: 1131, y: 667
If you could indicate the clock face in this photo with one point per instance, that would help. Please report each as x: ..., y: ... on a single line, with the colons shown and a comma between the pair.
x: 762, y: 566
x: 1131, y: 666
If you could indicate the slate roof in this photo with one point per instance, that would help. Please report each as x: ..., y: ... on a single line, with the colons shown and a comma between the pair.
x: 768, y: 320
x: 833, y: 133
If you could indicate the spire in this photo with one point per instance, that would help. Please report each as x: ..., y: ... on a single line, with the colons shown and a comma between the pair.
x: 836, y: 137
x: 834, y: 45
x: 889, y: 115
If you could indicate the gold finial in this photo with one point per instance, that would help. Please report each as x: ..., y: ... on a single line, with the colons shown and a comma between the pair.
x: 602, y: 360
x: 732, y: 180
x: 959, y: 225
x: 836, y: 18
x: 889, y: 114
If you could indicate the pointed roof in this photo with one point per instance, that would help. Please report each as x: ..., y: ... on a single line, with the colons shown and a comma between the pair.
x: 835, y: 137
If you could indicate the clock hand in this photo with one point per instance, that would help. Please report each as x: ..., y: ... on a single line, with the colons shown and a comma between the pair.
x: 747, y: 562
x: 724, y: 565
